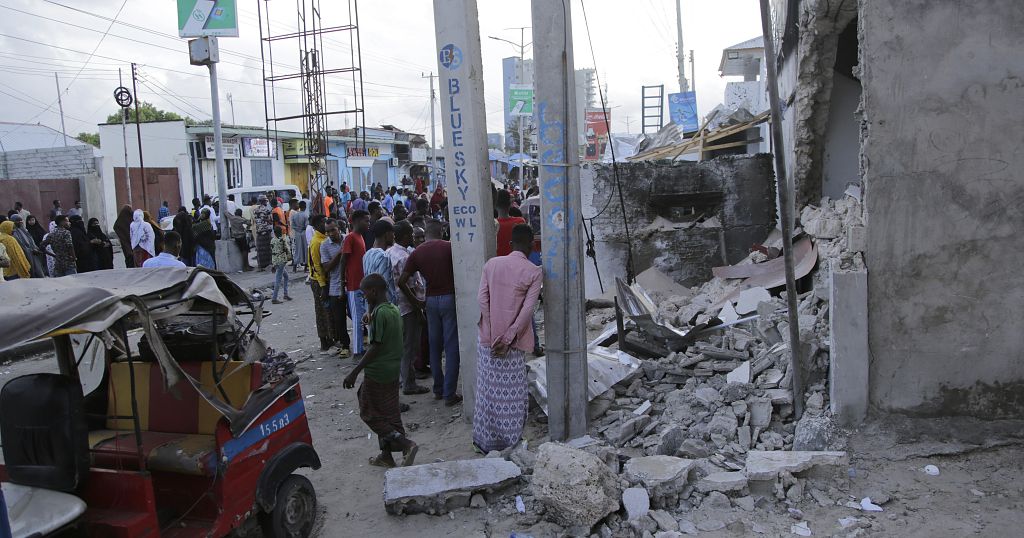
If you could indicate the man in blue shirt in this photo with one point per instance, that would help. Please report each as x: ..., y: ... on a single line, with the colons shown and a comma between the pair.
x: 376, y: 259
x: 169, y: 256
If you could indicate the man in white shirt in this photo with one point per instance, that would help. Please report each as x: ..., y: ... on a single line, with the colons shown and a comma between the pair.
x: 232, y: 206
x: 169, y: 256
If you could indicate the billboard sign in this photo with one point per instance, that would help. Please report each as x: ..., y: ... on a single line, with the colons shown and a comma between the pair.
x: 202, y: 18
x: 229, y: 147
x: 259, y: 148
x: 682, y: 108
x: 596, y: 133
x: 520, y: 99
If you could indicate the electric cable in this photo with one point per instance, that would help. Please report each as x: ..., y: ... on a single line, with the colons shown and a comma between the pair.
x: 630, y: 269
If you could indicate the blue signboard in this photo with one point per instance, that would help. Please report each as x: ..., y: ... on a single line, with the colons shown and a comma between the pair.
x: 682, y: 108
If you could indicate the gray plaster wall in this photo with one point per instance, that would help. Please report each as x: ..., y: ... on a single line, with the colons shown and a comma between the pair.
x: 943, y: 168
x: 737, y: 189
x: 842, y: 138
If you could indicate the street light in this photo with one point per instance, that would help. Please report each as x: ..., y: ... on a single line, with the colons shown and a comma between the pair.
x: 522, y: 74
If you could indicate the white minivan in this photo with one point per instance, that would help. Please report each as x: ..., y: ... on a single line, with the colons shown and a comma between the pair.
x: 246, y: 197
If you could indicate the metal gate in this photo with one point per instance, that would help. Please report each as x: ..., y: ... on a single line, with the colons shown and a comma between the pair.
x: 379, y: 173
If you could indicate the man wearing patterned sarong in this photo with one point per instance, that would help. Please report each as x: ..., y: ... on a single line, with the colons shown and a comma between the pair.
x: 509, y: 288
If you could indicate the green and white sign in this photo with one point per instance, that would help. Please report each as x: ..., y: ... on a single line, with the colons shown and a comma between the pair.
x: 201, y: 18
x: 520, y: 99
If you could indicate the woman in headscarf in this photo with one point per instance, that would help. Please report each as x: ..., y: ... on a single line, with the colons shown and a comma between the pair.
x: 28, y: 246
x: 122, y: 229
x: 205, y: 241
x: 85, y: 258
x: 436, y: 199
x: 101, y: 247
x: 19, y: 267
x: 35, y: 229
x: 143, y: 242
x: 158, y: 232
x: 51, y: 257
x: 183, y: 225
x: 263, y: 225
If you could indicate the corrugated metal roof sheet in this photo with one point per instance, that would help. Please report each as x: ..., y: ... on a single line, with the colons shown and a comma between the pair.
x: 19, y: 136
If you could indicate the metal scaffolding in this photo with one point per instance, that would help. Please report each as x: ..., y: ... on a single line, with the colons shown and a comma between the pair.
x: 652, y: 101
x: 313, y: 73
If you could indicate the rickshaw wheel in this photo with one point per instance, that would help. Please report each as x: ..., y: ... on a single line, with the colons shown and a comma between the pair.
x: 295, y: 511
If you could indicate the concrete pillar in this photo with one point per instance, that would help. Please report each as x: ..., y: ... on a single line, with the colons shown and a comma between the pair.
x: 565, y: 330
x: 464, y: 122
x: 848, y: 350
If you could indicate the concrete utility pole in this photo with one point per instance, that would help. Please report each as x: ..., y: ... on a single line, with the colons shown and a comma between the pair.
x: 460, y: 73
x: 564, y: 327
x: 231, y: 102
x: 60, y: 104
x: 433, y: 146
x: 205, y: 51
x: 680, y: 54
x: 138, y: 134
x: 786, y: 207
x: 124, y: 140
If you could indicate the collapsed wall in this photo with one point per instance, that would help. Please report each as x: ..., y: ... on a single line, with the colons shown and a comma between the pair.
x: 684, y: 217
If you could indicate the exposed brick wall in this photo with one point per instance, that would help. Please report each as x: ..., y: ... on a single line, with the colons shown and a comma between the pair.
x: 48, y: 163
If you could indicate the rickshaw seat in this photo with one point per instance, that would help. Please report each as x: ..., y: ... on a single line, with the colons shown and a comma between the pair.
x: 180, y: 409
x: 171, y: 452
x: 177, y: 425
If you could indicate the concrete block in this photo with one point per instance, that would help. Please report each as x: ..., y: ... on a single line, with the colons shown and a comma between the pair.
x: 723, y: 482
x: 576, y: 487
x: 760, y: 411
x: 637, y: 503
x: 437, y: 488
x: 229, y: 257
x: 766, y: 465
x: 848, y: 350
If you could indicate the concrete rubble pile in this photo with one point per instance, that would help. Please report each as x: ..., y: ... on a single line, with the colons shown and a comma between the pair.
x: 711, y: 426
x: 694, y: 440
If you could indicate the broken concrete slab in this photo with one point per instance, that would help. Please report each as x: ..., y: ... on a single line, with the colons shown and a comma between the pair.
x: 637, y: 503
x: 748, y: 299
x: 740, y: 374
x: 628, y: 430
x: 766, y: 465
x: 722, y: 482
x: 707, y: 396
x: 576, y: 487
x: 437, y: 488
x: 760, y: 410
x: 665, y: 521
x: 663, y: 476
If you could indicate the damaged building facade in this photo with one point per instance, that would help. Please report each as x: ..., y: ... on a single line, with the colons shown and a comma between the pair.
x: 895, y: 138
x: 918, y: 119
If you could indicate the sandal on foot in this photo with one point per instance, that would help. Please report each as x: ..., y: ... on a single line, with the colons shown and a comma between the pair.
x: 378, y: 461
x: 409, y: 455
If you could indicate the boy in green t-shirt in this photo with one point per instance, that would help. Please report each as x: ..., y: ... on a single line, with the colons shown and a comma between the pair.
x: 378, y: 393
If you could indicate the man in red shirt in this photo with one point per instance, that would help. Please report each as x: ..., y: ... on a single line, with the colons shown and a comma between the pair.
x: 352, y: 250
x: 503, y: 202
x: 433, y: 260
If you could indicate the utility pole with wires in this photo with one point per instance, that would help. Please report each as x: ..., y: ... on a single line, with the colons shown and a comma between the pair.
x: 433, y: 146
x: 138, y: 134
x: 231, y: 103
x: 560, y: 203
x: 680, y: 53
x: 124, y: 139
x: 693, y: 71
x: 523, y: 148
x: 60, y: 103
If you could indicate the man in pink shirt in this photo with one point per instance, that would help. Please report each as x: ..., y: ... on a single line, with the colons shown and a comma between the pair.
x: 509, y: 288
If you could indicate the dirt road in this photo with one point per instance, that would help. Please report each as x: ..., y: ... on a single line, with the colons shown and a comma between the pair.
x: 979, y: 492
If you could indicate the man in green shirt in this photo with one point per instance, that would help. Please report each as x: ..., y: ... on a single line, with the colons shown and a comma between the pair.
x: 378, y: 394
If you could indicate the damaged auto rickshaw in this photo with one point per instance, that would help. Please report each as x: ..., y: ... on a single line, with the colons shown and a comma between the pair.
x: 169, y: 416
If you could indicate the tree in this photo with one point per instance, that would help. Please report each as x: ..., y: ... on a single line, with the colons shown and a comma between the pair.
x: 89, y: 138
x: 147, y: 112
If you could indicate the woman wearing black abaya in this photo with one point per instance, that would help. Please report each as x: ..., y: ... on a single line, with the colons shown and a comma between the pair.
x: 86, y: 258
x: 122, y: 228
x: 101, y: 247
x: 183, y: 225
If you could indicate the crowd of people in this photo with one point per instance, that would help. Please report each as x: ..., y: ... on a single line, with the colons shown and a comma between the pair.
x: 69, y: 244
x: 381, y: 273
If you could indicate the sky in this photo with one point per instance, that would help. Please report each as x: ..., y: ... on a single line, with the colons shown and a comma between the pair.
x: 633, y: 40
